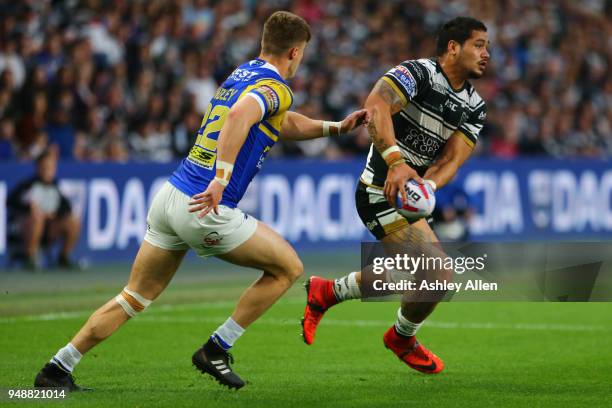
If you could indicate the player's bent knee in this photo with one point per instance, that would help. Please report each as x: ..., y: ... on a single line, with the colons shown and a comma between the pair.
x: 295, y: 269
x: 131, y: 302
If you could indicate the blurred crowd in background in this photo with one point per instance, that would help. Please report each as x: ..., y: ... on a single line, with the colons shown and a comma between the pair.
x: 130, y: 80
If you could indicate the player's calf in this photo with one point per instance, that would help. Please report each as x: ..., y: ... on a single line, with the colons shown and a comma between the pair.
x: 107, y: 319
x: 101, y: 324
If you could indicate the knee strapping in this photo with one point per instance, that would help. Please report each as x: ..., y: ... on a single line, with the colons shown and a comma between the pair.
x: 132, y: 302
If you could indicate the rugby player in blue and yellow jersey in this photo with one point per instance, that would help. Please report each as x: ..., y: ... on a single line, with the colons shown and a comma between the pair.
x: 197, y: 208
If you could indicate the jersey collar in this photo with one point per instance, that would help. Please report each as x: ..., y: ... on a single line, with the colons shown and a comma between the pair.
x: 267, y: 65
x: 439, y: 68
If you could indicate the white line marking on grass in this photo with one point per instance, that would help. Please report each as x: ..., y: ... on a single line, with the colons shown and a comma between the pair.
x: 157, y: 308
x: 151, y: 317
x: 385, y: 323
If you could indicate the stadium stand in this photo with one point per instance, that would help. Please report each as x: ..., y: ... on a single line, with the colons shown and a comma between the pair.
x: 129, y: 80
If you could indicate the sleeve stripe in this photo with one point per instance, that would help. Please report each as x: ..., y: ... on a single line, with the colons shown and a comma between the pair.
x: 399, y: 89
x: 467, y: 136
x: 260, y: 101
x: 270, y: 127
x: 267, y: 132
x: 481, y: 103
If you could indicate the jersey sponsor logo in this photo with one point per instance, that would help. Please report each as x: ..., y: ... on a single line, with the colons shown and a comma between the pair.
x: 271, y: 97
x: 242, y: 75
x: 451, y: 105
x: 482, y: 115
x: 212, y: 239
x: 256, y: 63
x: 201, y: 157
x: 403, y: 75
x: 421, y: 143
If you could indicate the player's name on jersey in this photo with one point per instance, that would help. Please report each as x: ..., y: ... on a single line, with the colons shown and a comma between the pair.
x: 223, y: 94
x: 437, y: 285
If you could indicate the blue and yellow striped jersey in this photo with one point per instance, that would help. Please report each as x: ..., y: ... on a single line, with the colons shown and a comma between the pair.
x: 257, y: 79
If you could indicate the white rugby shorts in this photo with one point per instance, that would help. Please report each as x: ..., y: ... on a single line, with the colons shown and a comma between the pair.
x: 171, y: 226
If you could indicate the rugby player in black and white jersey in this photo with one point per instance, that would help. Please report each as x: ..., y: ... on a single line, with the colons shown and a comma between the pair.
x: 425, y: 121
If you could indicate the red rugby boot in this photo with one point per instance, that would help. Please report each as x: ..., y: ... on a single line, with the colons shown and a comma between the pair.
x: 413, y: 353
x: 320, y: 297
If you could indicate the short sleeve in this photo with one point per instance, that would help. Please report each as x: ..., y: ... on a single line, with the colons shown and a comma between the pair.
x: 407, y: 79
x: 473, y: 125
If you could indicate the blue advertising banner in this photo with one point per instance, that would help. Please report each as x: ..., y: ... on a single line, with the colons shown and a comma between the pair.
x: 311, y: 202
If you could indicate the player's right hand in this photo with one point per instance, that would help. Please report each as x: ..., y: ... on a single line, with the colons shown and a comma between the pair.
x: 208, y: 200
x: 397, y: 176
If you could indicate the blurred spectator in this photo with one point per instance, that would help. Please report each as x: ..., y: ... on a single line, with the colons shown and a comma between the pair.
x: 154, y: 64
x: 11, y: 61
x: 41, y: 215
x: 151, y: 141
x: 7, y: 139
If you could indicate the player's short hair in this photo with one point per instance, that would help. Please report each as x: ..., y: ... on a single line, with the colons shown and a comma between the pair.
x: 282, y: 31
x: 458, y: 29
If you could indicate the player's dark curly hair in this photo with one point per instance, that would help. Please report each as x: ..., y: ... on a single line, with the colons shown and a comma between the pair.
x: 458, y: 29
x: 282, y: 31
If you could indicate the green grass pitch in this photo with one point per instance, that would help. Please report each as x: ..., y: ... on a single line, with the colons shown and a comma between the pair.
x: 496, y: 354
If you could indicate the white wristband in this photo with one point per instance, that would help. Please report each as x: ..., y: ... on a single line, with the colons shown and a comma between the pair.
x: 224, y: 172
x: 390, y: 150
x: 327, y: 124
x: 432, y: 183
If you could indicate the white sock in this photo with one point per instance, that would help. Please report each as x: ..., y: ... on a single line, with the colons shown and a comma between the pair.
x: 404, y: 326
x: 227, y: 334
x: 67, y: 358
x: 346, y: 288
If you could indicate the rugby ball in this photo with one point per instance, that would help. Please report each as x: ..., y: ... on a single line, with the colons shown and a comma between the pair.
x: 421, y: 201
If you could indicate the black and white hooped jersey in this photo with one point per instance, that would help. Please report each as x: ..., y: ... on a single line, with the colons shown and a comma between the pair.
x: 432, y: 112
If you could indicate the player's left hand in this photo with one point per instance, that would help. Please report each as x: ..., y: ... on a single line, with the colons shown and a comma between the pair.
x: 354, y: 120
x: 208, y: 200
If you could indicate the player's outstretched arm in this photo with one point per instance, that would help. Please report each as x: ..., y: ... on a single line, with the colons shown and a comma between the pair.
x: 240, y: 118
x: 456, y: 151
x: 299, y: 127
x: 382, y: 103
